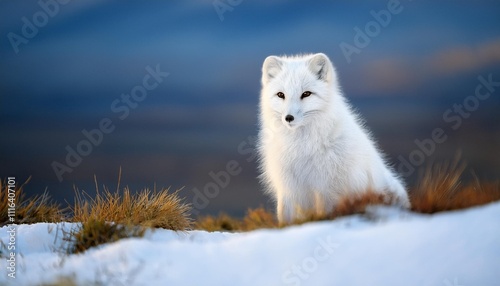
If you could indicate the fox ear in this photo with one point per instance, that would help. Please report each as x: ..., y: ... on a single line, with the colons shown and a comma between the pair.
x: 271, y: 68
x: 321, y: 66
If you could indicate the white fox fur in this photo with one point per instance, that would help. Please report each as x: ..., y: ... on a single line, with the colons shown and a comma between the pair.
x: 309, y: 162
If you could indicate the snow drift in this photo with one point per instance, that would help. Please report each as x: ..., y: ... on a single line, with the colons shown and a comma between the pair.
x: 386, y: 246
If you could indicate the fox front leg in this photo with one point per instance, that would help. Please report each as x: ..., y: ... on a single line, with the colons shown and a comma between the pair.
x: 286, y: 210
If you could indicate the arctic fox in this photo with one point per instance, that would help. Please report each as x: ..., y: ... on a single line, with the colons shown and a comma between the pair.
x: 313, y: 148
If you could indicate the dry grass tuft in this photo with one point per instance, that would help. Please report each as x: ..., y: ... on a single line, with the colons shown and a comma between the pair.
x: 149, y: 209
x: 222, y: 222
x: 63, y: 281
x: 108, y: 217
x: 32, y: 210
x: 111, y: 216
x: 259, y: 218
x: 349, y: 205
x: 94, y: 232
x: 441, y: 189
x: 254, y: 219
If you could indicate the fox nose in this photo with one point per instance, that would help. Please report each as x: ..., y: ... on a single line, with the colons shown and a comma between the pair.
x: 289, y: 118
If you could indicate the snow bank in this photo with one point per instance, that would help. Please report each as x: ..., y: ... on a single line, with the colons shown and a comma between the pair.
x: 386, y: 247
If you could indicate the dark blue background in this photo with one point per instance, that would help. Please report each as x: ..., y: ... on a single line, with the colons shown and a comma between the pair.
x: 65, y: 78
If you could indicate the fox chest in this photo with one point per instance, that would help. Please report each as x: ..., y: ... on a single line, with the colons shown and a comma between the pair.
x: 310, y: 161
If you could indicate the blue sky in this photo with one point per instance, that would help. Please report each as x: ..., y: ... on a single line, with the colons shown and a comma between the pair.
x: 65, y: 78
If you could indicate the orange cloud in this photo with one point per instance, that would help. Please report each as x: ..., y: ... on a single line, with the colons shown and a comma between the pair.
x: 463, y: 59
x: 397, y: 74
x: 387, y: 75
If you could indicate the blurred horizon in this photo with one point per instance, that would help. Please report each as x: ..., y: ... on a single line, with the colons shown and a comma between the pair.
x: 410, y: 67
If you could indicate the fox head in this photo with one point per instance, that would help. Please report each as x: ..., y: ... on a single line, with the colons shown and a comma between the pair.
x: 295, y: 89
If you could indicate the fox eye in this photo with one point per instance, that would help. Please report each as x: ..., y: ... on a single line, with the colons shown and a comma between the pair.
x: 281, y: 95
x: 305, y: 94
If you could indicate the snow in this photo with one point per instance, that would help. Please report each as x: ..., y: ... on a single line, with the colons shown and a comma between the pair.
x: 385, y: 247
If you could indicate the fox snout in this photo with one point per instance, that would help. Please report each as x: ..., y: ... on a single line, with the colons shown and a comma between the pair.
x: 289, y: 120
